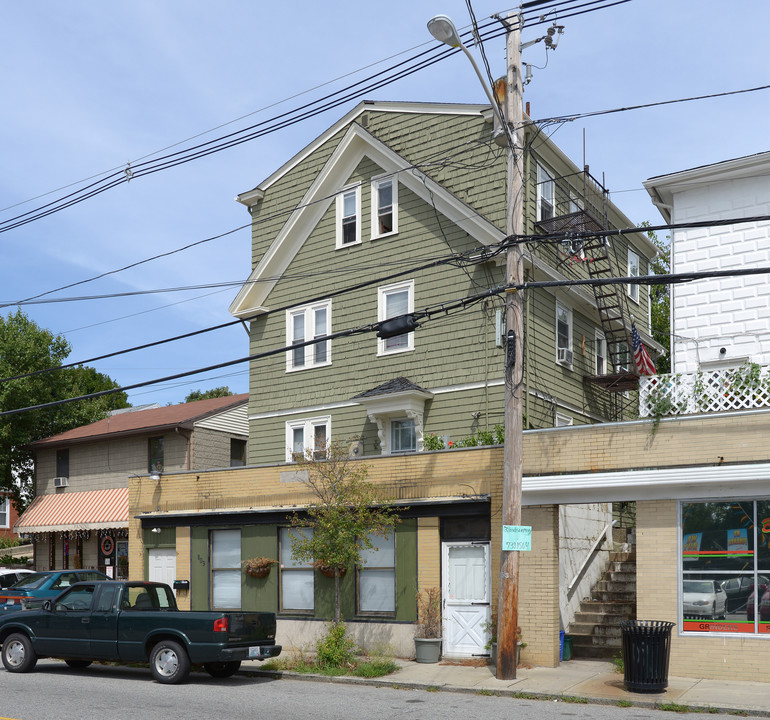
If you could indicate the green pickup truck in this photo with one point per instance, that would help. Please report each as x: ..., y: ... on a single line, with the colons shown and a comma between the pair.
x: 135, y: 622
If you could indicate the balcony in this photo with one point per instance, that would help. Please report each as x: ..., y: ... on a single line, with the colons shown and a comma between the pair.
x: 744, y: 388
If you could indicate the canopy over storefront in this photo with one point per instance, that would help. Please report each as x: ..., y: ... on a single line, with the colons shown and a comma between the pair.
x: 92, y: 510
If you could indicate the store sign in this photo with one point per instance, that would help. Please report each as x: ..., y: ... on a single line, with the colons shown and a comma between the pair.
x: 517, y: 537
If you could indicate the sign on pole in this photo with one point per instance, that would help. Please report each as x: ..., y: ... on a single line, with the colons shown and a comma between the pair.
x: 517, y: 537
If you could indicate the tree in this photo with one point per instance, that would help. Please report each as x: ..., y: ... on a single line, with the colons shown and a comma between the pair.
x: 345, y: 511
x: 660, y: 302
x: 217, y: 392
x: 27, y: 348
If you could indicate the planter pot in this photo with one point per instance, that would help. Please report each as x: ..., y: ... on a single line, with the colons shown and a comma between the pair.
x: 427, y: 650
x: 327, y: 571
x: 260, y: 572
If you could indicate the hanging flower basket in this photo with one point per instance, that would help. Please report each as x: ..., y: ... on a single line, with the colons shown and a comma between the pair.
x: 258, y: 567
x: 328, y: 570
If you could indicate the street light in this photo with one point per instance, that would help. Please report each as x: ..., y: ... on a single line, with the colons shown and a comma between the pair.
x: 443, y: 29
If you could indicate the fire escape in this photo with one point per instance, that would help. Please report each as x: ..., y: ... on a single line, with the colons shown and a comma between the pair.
x: 581, y: 207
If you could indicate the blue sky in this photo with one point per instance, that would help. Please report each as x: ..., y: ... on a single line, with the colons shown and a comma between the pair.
x: 87, y: 87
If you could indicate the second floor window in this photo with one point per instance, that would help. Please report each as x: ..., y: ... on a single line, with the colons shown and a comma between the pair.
x: 5, y: 512
x: 563, y: 335
x: 600, y: 344
x: 237, y: 452
x: 63, y: 463
x: 308, y: 323
x: 633, y: 271
x: 403, y: 437
x: 392, y: 301
x: 302, y: 435
x: 155, y: 454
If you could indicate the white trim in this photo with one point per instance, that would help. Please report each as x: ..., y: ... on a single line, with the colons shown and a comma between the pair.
x: 541, y: 194
x: 7, y: 502
x: 357, y: 144
x: 308, y: 426
x: 695, y: 483
x: 354, y: 190
x: 570, y: 321
x: 308, y: 313
x: 600, y: 337
x: 632, y: 289
x: 382, y: 295
x: 375, y: 203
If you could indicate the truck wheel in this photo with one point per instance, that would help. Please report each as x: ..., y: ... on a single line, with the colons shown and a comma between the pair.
x: 18, y: 654
x: 78, y: 664
x: 222, y: 669
x: 169, y: 662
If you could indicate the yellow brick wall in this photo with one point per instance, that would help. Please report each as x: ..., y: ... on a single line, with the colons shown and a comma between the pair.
x: 428, y: 553
x: 657, y: 581
x: 183, y: 565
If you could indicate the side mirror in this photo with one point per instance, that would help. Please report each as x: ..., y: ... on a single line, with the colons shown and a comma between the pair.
x: 47, y: 605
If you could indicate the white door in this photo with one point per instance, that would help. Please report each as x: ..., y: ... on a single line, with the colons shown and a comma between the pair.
x: 162, y: 565
x: 466, y: 590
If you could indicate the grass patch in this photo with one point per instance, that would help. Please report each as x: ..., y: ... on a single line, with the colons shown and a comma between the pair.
x: 574, y: 699
x: 488, y: 692
x: 625, y: 703
x: 432, y: 688
x: 375, y: 668
x: 524, y: 696
x: 677, y: 708
x: 617, y: 661
x: 305, y: 664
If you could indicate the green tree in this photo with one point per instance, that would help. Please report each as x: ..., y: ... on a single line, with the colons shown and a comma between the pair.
x: 217, y: 392
x: 660, y: 302
x: 27, y: 348
x: 344, y: 512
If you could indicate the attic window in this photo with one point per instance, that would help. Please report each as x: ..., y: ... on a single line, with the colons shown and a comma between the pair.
x: 349, y: 217
x: 384, y: 206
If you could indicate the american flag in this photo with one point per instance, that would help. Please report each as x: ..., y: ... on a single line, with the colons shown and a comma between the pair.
x: 642, y: 359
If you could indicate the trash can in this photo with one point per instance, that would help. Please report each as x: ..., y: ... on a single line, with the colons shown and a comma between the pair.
x: 567, y: 654
x: 646, y: 650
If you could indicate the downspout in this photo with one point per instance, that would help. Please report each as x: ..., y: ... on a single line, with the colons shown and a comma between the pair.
x: 188, y: 450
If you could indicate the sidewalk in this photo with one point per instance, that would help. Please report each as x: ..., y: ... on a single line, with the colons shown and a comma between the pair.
x: 592, y: 680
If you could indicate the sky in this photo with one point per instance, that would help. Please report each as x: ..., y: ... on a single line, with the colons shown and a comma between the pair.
x: 87, y: 87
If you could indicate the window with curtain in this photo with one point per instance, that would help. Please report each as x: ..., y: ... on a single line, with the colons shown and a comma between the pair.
x: 297, y: 578
x: 377, y: 577
x: 225, y: 569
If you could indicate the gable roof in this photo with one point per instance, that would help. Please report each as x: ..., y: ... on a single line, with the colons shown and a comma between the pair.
x: 356, y: 144
x: 183, y: 416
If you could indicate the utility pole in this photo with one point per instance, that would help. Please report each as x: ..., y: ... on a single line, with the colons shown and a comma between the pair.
x: 508, y: 591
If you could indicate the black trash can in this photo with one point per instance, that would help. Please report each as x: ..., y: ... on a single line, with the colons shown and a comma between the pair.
x: 646, y: 650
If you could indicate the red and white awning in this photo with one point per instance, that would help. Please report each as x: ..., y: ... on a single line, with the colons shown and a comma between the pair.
x: 92, y: 510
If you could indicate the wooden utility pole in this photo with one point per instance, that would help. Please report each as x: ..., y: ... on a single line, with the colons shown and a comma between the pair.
x: 508, y: 595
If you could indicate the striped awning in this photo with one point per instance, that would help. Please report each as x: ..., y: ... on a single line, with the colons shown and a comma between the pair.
x: 92, y: 510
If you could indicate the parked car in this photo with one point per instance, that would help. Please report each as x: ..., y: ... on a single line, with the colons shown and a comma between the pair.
x: 135, y: 622
x: 9, y: 577
x: 703, y: 598
x: 43, y: 585
x: 764, y: 601
x: 739, y: 589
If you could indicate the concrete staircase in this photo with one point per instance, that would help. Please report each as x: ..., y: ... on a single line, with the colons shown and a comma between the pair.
x: 595, y: 631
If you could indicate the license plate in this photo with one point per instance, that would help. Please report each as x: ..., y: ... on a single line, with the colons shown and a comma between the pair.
x: 255, y: 651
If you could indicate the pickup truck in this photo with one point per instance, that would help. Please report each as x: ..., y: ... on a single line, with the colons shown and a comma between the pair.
x: 135, y: 622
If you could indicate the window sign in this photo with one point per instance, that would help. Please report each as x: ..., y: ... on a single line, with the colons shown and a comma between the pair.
x: 517, y: 537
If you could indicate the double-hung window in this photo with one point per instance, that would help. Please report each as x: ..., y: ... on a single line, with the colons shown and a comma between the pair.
x: 600, y: 346
x: 308, y: 323
x: 633, y: 271
x: 392, y: 301
x: 155, y: 454
x: 304, y: 435
x: 225, y: 569
x: 349, y: 216
x: 63, y: 462
x: 563, y: 335
x: 384, y: 206
x: 297, y: 577
x: 403, y: 437
x: 377, y: 576
x: 545, y: 194
x: 5, y: 512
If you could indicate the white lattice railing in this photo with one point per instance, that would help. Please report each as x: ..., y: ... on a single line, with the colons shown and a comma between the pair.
x: 742, y: 388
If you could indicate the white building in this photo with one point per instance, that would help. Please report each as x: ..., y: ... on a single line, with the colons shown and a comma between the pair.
x: 718, y: 323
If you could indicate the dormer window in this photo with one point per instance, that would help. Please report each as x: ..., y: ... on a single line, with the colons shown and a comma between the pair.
x: 384, y: 206
x: 349, y: 217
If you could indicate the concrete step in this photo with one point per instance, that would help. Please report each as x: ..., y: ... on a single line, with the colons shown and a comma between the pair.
x: 596, y: 619
x: 620, y: 556
x: 585, y: 648
x: 609, y: 585
x: 594, y: 630
x: 607, y: 608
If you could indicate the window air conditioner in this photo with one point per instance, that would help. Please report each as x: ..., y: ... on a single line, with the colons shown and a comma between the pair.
x: 61, y: 482
x: 565, y: 356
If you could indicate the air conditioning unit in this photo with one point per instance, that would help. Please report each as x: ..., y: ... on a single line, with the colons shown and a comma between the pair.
x: 61, y: 482
x: 564, y: 356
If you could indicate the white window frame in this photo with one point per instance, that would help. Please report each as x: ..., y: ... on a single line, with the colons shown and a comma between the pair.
x: 546, y: 191
x: 568, y: 312
x: 5, y: 512
x: 562, y: 420
x: 311, y: 352
x: 289, y: 566
x: 231, y: 569
x: 633, y: 271
x: 391, y: 445
x: 380, y: 560
x: 355, y: 191
x: 600, y: 341
x: 376, y: 183
x: 308, y: 427
x: 382, y: 296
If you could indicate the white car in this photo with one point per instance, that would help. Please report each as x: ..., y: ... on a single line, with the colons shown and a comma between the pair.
x: 703, y: 598
x: 9, y: 577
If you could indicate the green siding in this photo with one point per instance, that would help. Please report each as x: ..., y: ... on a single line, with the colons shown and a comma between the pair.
x: 260, y: 593
x: 199, y: 570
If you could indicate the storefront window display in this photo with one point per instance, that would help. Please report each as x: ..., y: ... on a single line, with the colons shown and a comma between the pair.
x: 725, y: 560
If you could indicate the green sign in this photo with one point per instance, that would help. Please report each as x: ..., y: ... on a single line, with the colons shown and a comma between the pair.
x: 517, y: 537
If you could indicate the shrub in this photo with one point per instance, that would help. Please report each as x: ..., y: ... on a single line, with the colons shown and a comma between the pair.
x: 336, y: 649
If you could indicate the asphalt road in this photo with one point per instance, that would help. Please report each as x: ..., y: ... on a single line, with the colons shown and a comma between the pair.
x: 56, y: 692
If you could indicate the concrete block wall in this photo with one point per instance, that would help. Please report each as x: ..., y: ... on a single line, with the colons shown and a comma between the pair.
x: 717, y: 313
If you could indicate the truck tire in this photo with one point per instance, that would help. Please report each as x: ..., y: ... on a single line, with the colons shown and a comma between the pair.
x: 169, y: 662
x: 222, y: 669
x: 78, y: 664
x: 18, y: 654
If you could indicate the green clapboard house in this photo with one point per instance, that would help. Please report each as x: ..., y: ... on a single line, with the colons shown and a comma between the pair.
x: 400, y: 208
